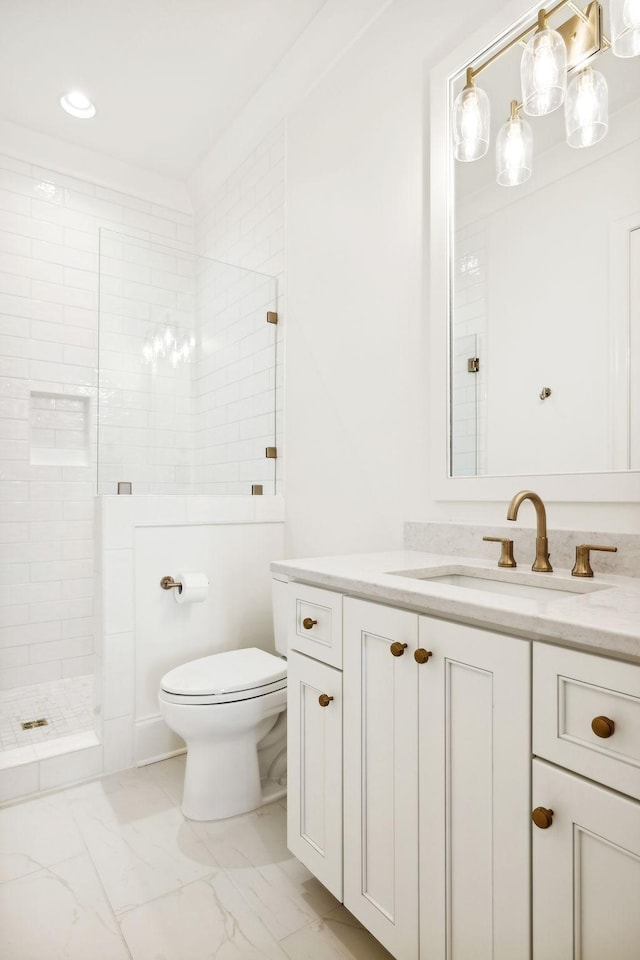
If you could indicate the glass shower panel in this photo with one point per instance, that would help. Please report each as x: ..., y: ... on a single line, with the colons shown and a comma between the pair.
x: 187, y: 372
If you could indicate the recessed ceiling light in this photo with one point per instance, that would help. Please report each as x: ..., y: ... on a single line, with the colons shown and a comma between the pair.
x: 78, y: 105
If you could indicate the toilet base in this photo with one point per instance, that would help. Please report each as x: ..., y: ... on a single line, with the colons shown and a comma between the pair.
x: 227, y: 752
x: 221, y: 781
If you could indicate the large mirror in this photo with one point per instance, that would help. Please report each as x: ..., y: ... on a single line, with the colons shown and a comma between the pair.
x: 544, y: 276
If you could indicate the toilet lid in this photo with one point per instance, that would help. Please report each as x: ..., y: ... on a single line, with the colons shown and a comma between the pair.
x: 228, y: 672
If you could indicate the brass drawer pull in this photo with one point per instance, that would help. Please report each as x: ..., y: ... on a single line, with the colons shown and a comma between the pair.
x: 421, y: 655
x: 542, y: 817
x: 307, y: 623
x: 397, y: 649
x: 324, y: 699
x: 603, y: 727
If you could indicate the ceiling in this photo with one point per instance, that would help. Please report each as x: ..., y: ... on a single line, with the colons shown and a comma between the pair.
x: 167, y: 76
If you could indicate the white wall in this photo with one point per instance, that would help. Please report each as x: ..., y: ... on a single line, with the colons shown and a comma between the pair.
x: 357, y: 291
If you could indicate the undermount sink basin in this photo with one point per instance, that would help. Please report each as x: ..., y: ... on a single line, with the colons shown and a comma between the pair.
x: 472, y: 579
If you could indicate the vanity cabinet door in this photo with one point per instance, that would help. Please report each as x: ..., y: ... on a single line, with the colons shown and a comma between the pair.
x: 314, y: 749
x: 474, y: 794
x: 586, y: 870
x: 381, y: 773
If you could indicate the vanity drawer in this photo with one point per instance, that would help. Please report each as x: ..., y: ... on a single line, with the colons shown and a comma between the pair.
x: 570, y: 691
x: 315, y: 623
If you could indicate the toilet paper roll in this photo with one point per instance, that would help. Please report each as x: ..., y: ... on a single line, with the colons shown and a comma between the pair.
x: 195, y: 588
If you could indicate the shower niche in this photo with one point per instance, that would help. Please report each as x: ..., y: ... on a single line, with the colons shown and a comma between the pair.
x: 59, y: 429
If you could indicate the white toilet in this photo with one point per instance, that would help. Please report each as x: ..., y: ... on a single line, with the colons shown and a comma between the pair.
x: 223, y: 706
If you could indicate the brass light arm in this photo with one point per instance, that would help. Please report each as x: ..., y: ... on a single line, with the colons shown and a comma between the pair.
x: 515, y: 40
x: 543, y: 17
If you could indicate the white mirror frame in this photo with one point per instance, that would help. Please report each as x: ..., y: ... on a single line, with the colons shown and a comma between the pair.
x: 605, y: 487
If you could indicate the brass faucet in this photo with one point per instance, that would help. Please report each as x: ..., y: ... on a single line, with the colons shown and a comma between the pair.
x: 541, y: 563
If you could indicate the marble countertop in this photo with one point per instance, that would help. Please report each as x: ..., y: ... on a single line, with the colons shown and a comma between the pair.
x: 601, y: 615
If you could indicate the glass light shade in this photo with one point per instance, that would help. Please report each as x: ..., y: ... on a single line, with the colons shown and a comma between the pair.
x: 586, y: 110
x: 625, y: 27
x: 514, y: 151
x: 543, y: 73
x: 470, y: 118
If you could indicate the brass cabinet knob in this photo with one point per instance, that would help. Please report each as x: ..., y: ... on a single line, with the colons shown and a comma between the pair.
x: 542, y: 817
x: 397, y: 649
x: 603, y: 727
x: 421, y: 655
x: 307, y: 623
x: 324, y: 699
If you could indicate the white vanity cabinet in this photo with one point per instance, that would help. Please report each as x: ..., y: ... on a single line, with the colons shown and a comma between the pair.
x: 314, y: 751
x: 313, y: 625
x: 586, y: 854
x: 411, y: 792
x: 381, y: 803
x: 437, y: 788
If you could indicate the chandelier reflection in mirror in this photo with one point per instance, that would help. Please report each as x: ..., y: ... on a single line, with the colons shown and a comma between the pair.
x: 169, y: 346
x: 555, y: 69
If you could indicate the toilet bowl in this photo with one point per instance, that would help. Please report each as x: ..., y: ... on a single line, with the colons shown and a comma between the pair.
x: 223, y: 706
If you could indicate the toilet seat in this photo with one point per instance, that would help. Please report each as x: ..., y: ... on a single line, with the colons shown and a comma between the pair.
x: 227, y: 677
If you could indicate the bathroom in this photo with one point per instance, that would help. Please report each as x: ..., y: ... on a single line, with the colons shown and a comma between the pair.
x: 244, y: 160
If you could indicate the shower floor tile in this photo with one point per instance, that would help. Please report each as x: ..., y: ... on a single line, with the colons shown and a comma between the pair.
x: 68, y: 705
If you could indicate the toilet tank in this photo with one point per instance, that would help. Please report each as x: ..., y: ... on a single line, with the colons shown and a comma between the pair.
x: 280, y: 595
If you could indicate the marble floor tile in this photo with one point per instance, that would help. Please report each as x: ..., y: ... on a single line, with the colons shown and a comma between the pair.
x: 253, y: 850
x: 36, y: 834
x: 285, y: 896
x: 337, y: 936
x: 116, y: 858
x: 59, y: 913
x: 202, y: 920
x: 169, y: 775
x: 139, y: 841
x: 253, y: 839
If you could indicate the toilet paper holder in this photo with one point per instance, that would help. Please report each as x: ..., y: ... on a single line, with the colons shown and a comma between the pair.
x: 168, y: 583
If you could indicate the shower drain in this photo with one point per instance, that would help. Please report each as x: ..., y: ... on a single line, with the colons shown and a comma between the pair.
x: 30, y: 724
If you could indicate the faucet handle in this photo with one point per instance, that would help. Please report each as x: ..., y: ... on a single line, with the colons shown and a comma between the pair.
x: 506, y: 554
x: 582, y: 566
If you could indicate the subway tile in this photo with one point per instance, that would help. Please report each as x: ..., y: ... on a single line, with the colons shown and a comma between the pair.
x: 60, y: 610
x: 117, y: 737
x: 60, y: 649
x: 13, y: 677
x: 77, y: 628
x: 29, y: 633
x: 20, y: 780
x: 70, y: 767
x: 78, y: 666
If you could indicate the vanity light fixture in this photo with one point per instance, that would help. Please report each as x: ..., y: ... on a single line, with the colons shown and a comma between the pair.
x: 514, y: 149
x: 587, y: 109
x: 543, y: 70
x: 78, y: 105
x: 550, y: 55
x: 470, y: 120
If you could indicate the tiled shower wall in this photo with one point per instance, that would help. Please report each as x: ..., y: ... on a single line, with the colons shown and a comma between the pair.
x: 243, y: 223
x: 147, y: 290
x: 49, y: 228
x: 234, y: 386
